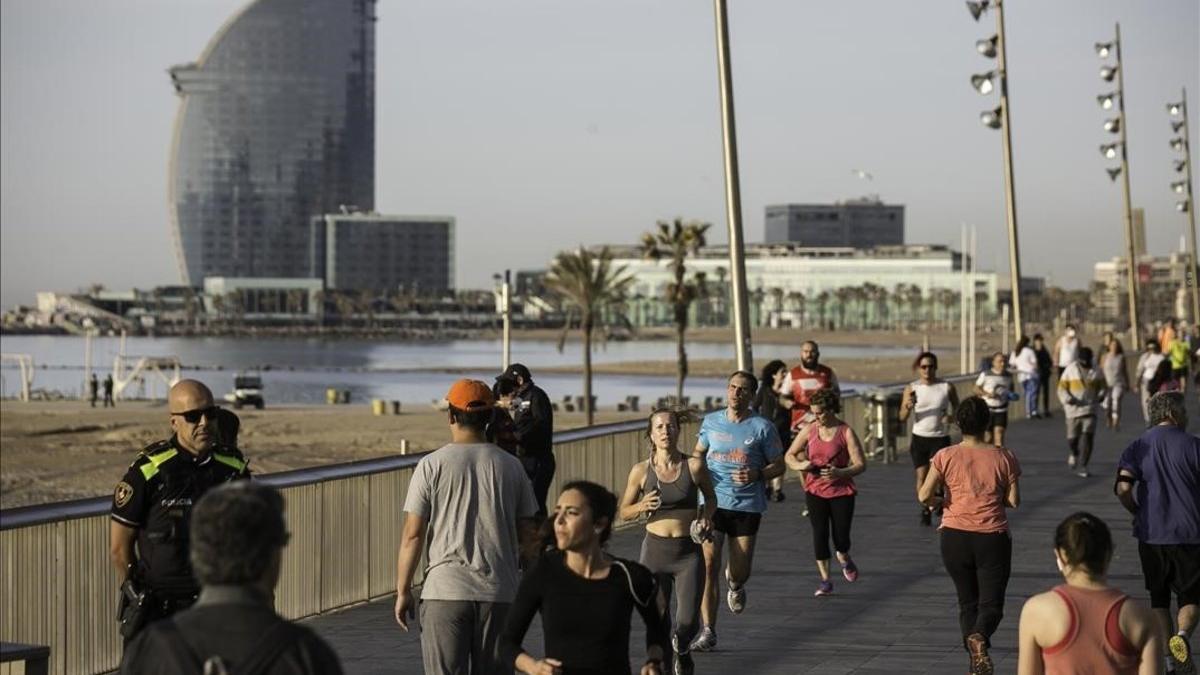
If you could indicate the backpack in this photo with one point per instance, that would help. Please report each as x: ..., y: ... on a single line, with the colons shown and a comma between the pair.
x: 184, y: 659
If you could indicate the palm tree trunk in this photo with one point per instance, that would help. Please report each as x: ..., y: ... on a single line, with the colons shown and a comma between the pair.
x: 586, y: 327
x: 681, y: 352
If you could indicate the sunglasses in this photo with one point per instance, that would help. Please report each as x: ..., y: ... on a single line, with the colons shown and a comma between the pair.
x: 193, y: 416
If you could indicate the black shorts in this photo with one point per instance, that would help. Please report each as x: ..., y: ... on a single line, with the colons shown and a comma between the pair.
x: 923, y: 448
x: 999, y: 419
x: 736, y: 523
x: 1171, y: 567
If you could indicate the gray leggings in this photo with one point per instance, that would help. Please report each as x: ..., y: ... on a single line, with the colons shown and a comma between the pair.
x: 677, y: 562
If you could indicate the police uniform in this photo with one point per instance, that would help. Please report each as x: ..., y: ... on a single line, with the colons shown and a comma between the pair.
x: 156, y: 497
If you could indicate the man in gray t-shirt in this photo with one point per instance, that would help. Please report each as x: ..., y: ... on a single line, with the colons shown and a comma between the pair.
x: 473, y: 504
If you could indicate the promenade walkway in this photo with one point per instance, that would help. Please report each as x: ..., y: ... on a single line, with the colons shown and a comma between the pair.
x: 899, y: 617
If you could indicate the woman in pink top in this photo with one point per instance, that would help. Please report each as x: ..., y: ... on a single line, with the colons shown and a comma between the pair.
x: 830, y: 452
x: 979, y: 482
x: 1085, y: 626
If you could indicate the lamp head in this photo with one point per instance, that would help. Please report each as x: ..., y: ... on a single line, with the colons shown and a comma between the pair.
x: 983, y: 82
x: 1179, y: 187
x: 977, y: 8
x: 1174, y: 109
x: 1113, y: 126
x: 1182, y: 206
x: 1180, y: 165
x: 1106, y: 100
x: 987, y: 47
x: 1107, y: 73
x: 990, y: 118
x: 1109, y: 150
x: 1177, y: 144
x: 1113, y: 173
x: 1104, y: 49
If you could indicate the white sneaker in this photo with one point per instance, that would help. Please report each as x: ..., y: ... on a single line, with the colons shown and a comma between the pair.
x: 735, y: 598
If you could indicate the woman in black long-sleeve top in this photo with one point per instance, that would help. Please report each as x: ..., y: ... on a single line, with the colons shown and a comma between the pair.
x: 586, y: 597
x: 766, y: 403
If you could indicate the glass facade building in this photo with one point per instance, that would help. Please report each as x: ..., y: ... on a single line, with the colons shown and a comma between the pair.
x: 276, y: 125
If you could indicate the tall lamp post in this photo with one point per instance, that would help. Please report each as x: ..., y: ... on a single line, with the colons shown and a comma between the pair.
x: 733, y: 195
x: 503, y: 293
x: 996, y: 47
x: 1117, y: 125
x: 1184, y: 187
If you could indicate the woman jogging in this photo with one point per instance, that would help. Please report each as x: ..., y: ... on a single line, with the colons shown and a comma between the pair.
x: 980, y: 482
x: 829, y: 451
x: 931, y: 402
x: 1085, y: 625
x: 766, y: 404
x: 666, y: 489
x: 585, y: 596
x: 995, y: 386
x: 1112, y: 364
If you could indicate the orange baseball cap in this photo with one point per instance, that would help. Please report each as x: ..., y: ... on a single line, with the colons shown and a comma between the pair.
x: 470, y: 395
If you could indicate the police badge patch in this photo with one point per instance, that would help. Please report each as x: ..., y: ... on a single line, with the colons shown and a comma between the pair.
x: 123, y: 494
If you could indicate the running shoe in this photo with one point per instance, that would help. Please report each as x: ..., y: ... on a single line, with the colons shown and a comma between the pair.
x: 683, y: 664
x: 824, y: 588
x: 1083, y: 473
x: 735, y: 597
x: 1071, y: 461
x: 706, y: 641
x: 981, y: 661
x: 926, y: 517
x: 1181, y: 652
x: 850, y: 570
x: 778, y: 496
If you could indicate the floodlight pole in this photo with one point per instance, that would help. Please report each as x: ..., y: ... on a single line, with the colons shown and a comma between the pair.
x: 1134, y: 322
x: 1010, y: 197
x: 733, y: 198
x: 1191, y: 213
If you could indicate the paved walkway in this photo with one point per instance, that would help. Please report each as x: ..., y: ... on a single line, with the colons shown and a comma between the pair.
x: 901, y: 615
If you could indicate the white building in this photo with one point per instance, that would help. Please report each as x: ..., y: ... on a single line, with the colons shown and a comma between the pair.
x: 263, y: 297
x: 797, y: 285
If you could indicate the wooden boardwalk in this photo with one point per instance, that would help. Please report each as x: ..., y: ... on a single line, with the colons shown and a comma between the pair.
x: 899, y: 617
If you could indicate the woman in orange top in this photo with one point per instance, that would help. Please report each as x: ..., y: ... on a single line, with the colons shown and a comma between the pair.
x: 979, y: 482
x: 1085, y: 625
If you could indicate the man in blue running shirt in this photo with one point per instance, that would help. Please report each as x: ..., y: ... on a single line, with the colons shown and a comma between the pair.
x: 743, y: 453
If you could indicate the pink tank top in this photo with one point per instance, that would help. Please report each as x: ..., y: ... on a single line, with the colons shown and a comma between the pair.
x: 1094, y: 642
x: 834, y: 452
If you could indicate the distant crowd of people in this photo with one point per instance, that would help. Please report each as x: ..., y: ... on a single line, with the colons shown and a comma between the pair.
x: 198, y: 549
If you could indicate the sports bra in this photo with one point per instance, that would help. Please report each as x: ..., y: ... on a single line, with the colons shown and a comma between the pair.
x: 682, y: 493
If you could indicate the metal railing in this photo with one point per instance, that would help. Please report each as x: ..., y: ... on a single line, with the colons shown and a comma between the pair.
x: 345, y: 521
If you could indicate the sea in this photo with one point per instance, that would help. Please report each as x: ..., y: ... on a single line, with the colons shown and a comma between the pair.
x: 298, y: 371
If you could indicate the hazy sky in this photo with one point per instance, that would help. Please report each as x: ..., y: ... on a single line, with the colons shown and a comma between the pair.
x: 543, y: 124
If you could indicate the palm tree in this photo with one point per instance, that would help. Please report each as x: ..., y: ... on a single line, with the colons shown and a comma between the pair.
x: 588, y: 284
x: 798, y: 301
x: 822, y: 308
x: 676, y: 241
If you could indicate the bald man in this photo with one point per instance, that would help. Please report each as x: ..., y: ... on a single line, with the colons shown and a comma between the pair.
x: 152, y: 505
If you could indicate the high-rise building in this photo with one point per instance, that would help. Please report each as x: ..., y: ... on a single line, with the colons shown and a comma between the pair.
x: 369, y: 251
x: 858, y: 223
x: 276, y: 125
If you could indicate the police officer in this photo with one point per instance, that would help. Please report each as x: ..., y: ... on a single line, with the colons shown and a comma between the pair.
x: 151, y: 509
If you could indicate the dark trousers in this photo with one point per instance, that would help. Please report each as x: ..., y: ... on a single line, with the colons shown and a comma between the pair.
x: 830, y: 514
x: 979, y: 563
x: 1044, y: 392
x: 541, y: 476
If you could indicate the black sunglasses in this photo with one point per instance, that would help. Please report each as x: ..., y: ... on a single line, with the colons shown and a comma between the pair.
x: 193, y: 416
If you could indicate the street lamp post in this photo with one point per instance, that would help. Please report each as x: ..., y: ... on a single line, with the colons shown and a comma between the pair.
x: 1188, y: 205
x: 997, y: 47
x: 1119, y: 126
x: 503, y: 294
x: 733, y: 196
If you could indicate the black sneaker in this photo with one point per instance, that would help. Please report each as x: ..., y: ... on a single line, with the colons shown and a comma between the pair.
x: 683, y: 664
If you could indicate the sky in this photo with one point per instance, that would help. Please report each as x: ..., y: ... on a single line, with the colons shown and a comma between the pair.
x: 541, y: 125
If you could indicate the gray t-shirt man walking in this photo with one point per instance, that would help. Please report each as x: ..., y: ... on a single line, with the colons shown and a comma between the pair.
x: 473, y: 504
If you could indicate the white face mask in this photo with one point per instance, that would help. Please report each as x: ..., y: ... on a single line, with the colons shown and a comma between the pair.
x: 1071, y: 332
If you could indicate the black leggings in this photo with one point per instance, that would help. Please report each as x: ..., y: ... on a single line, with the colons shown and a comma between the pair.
x: 979, y: 563
x: 1044, y: 391
x: 823, y: 513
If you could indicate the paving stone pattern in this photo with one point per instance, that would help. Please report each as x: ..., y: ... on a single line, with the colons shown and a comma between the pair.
x: 900, y: 616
